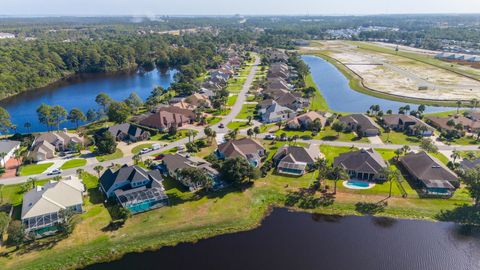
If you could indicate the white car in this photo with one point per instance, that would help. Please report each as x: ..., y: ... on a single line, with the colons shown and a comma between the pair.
x: 270, y: 137
x: 145, y: 150
x: 155, y: 146
x: 55, y: 172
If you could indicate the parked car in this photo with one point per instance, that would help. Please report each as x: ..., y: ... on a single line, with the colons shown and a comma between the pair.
x: 181, y: 147
x: 145, y: 150
x: 155, y: 146
x: 221, y: 125
x: 55, y: 172
x: 270, y: 137
x: 159, y: 157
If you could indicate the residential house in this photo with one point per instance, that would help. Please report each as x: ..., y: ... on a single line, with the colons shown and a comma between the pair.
x: 407, y: 123
x: 171, y: 164
x: 276, y: 113
x: 247, y: 148
x: 470, y: 163
x: 442, y: 123
x: 277, y: 83
x: 303, y: 121
x: 361, y: 124
x: 8, y: 147
x: 134, y: 188
x: 294, y: 101
x: 43, y: 205
x: 46, y: 144
x: 128, y: 132
x: 199, y: 100
x: 364, y: 164
x: 166, y: 117
x: 433, y: 177
x: 294, y: 160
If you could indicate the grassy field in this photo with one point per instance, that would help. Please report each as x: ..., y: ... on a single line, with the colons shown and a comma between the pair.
x: 393, y: 137
x: 118, y: 154
x: 231, y: 100
x: 74, y: 163
x: 191, y: 217
x: 182, y: 133
x: 213, y: 120
x: 327, y: 134
x: 33, y: 169
x: 239, y: 125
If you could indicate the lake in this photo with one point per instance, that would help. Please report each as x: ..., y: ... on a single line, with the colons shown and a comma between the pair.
x: 288, y: 240
x: 340, y: 97
x: 80, y: 92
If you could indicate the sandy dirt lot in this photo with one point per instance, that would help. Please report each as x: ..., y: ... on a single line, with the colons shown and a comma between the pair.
x: 401, y: 76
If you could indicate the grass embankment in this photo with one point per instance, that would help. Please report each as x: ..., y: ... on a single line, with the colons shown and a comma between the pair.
x: 33, y: 169
x: 74, y: 163
x: 139, y: 147
x: 356, y: 83
x: 192, y: 217
x: 118, y: 154
x: 317, y: 102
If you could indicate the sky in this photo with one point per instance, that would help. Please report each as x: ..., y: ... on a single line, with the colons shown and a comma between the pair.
x: 231, y: 7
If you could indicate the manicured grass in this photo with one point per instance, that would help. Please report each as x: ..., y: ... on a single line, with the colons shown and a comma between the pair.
x: 327, y: 134
x: 139, y: 147
x: 231, y: 100
x: 234, y: 87
x: 33, y: 169
x: 393, y: 137
x: 466, y: 140
x: 213, y: 120
x: 182, y: 133
x: 331, y: 152
x: 247, y: 110
x: 118, y: 154
x: 442, y: 158
x: 74, y: 163
x: 317, y: 102
x: 239, y: 125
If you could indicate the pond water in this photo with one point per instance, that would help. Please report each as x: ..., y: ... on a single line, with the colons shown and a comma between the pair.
x: 340, y: 97
x: 80, y: 92
x: 289, y: 240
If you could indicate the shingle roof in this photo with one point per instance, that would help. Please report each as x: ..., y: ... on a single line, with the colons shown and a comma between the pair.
x: 359, y: 119
x: 126, y: 128
x: 362, y: 160
x: 127, y: 173
x: 427, y: 168
x: 298, y: 153
x: 240, y: 148
x: 8, y: 146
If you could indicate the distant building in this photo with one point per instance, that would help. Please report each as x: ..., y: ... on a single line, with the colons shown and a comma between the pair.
x: 6, y: 35
x: 361, y: 124
x: 294, y: 160
x: 166, y: 117
x: 247, y: 148
x: 128, y: 132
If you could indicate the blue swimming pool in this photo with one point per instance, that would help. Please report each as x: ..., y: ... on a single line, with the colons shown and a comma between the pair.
x: 356, y: 184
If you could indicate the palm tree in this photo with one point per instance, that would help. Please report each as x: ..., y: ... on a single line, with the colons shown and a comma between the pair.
x: 250, y: 132
x: 148, y: 162
x: 32, y: 181
x: 249, y: 118
x: 455, y: 154
x: 459, y: 103
x: 390, y: 176
x: 17, y: 154
x: 339, y: 173
x: 233, y: 134
x: 474, y: 103
x: 80, y: 172
x: 2, y: 157
x: 405, y: 149
x: 280, y: 124
x: 322, y: 166
x: 98, y: 169
x: 137, y: 158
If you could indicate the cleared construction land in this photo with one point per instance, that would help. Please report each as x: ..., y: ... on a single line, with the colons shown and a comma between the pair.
x: 409, y: 73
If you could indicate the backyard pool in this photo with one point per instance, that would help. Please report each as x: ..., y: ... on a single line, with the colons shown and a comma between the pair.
x: 357, y: 184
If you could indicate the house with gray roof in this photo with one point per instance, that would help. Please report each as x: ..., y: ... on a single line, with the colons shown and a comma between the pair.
x: 361, y: 124
x: 294, y: 160
x: 363, y: 164
x: 128, y: 132
x: 407, y: 123
x: 276, y: 113
x: 43, y: 205
x: 247, y: 148
x: 47, y: 144
x: 172, y: 164
x: 8, y: 147
x: 134, y: 188
x: 432, y: 176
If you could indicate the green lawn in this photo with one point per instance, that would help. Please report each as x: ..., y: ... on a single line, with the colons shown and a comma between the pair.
x: 237, y: 124
x: 331, y: 152
x: 441, y: 157
x: 393, y: 137
x: 213, y: 120
x: 74, y: 163
x: 247, y: 110
x: 317, y: 102
x: 466, y: 140
x: 139, y: 147
x: 231, y: 100
x: 234, y: 87
x: 118, y: 154
x: 33, y: 169
x: 182, y: 133
x: 327, y: 134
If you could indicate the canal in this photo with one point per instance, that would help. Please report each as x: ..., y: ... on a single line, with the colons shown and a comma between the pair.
x: 340, y: 97
x: 288, y: 240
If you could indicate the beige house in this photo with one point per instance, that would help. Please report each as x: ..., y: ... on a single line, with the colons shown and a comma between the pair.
x: 47, y: 144
x: 42, y: 206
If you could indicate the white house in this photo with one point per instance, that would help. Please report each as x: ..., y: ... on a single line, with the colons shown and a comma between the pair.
x: 8, y: 147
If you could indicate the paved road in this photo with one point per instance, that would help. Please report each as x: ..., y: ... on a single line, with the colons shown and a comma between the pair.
x: 237, y: 107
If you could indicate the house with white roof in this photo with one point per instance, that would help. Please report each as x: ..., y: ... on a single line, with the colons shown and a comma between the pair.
x: 8, y: 147
x: 42, y: 206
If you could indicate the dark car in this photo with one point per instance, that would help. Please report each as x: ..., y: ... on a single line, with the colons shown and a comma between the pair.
x: 221, y: 125
x: 159, y: 157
